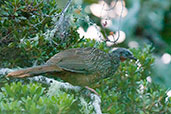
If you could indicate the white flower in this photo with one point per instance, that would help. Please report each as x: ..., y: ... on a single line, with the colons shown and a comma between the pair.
x: 149, y: 79
x: 168, y: 95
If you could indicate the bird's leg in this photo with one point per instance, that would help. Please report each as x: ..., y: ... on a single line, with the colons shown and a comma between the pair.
x: 92, y: 90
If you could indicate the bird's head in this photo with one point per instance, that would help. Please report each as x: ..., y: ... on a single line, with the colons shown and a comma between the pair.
x: 123, y: 54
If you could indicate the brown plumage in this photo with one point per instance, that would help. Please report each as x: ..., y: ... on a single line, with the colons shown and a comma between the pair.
x: 79, y: 66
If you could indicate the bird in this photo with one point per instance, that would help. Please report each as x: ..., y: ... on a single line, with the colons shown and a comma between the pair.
x: 79, y: 66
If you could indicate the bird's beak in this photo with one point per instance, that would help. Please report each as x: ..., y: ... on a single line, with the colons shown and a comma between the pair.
x: 132, y: 57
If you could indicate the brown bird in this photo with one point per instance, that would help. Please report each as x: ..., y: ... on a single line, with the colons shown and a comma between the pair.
x: 79, y: 66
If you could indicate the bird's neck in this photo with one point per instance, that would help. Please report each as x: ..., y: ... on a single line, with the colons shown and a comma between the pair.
x: 115, y: 57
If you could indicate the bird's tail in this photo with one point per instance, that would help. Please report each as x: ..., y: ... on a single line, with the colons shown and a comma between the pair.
x: 32, y: 71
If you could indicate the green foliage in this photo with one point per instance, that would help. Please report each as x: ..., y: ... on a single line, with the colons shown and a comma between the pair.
x: 22, y: 25
x: 18, y: 90
x: 31, y: 98
x: 91, y: 43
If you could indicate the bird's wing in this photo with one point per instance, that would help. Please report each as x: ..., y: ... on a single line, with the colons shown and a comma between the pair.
x: 75, y: 60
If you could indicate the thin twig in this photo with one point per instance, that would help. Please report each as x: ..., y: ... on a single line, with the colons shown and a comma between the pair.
x: 3, y: 38
x: 105, y: 34
x: 61, y: 14
x: 58, y: 25
x: 119, y: 24
x: 113, y: 6
x: 64, y: 11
